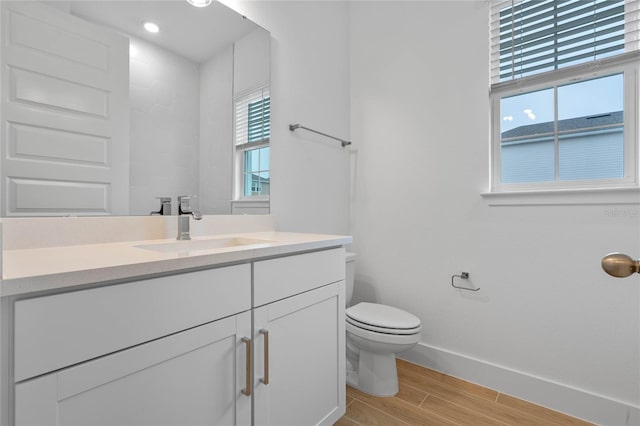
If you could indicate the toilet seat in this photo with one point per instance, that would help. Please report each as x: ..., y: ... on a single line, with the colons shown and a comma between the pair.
x: 382, y: 319
x: 383, y: 338
x: 385, y: 330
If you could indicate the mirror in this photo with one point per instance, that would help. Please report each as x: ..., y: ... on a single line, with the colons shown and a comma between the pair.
x: 183, y: 82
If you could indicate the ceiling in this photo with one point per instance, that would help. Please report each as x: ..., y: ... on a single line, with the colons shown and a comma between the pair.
x: 193, y: 32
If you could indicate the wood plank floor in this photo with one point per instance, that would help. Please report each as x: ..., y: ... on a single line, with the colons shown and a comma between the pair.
x: 428, y: 397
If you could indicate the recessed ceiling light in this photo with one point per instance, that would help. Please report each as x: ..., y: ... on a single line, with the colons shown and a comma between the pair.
x: 151, y: 27
x: 199, y: 3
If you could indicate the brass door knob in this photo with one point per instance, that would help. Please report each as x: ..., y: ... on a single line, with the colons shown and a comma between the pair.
x: 620, y: 265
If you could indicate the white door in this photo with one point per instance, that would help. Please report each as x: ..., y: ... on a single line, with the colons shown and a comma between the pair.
x: 195, y: 377
x: 304, y: 367
x: 65, y: 114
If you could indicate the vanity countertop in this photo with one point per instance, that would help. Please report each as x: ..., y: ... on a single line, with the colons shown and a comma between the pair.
x: 41, y: 269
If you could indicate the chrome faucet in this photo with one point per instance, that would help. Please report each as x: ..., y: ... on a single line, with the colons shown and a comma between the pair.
x: 184, y: 211
x: 165, y: 207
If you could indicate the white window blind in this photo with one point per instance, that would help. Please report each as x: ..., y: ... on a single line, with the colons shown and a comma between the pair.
x: 252, y: 117
x: 533, y: 36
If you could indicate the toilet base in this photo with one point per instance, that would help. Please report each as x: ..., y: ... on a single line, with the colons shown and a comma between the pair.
x: 377, y: 374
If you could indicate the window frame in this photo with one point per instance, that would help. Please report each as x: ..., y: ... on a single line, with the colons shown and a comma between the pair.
x: 239, y: 149
x: 626, y: 63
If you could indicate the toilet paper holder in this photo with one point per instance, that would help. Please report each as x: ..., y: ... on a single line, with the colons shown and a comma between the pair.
x: 464, y: 276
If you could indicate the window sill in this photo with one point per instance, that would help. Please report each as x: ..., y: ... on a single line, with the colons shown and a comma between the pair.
x: 250, y: 206
x: 559, y: 197
x: 251, y: 200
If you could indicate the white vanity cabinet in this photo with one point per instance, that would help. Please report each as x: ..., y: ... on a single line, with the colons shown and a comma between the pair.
x: 257, y: 343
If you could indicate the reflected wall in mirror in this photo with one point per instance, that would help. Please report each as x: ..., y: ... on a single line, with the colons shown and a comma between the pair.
x: 102, y: 117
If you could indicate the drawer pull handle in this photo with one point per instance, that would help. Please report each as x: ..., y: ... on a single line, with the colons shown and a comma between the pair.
x: 247, y: 389
x: 265, y: 333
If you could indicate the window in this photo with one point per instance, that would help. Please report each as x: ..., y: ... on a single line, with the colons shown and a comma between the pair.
x: 252, y: 131
x: 564, y: 94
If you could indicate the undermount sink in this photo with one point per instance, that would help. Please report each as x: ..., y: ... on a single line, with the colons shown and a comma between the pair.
x: 195, y: 245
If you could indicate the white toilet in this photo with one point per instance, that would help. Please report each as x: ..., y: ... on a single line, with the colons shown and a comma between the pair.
x: 375, y: 333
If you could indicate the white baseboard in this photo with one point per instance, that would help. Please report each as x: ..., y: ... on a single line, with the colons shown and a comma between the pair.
x: 556, y: 396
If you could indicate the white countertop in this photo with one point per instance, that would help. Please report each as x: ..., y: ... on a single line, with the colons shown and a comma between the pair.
x: 39, y: 269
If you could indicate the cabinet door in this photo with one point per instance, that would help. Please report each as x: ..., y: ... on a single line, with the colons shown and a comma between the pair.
x: 306, y: 359
x: 194, y: 377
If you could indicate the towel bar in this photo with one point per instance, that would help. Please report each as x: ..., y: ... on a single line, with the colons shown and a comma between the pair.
x: 293, y: 127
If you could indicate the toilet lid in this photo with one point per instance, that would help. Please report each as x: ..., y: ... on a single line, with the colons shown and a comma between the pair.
x: 382, y: 330
x: 383, y: 316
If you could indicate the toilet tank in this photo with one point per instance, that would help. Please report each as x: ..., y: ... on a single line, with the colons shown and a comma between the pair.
x: 350, y: 261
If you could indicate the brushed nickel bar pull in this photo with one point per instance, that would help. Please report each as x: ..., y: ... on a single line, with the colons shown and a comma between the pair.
x: 247, y: 389
x: 265, y: 333
x: 620, y: 265
x: 293, y: 127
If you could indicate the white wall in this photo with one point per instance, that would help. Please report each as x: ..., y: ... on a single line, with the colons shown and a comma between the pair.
x: 251, y: 61
x: 164, y: 97
x: 251, y: 72
x: 310, y: 86
x: 548, y: 325
x: 233, y: 71
x: 216, y: 133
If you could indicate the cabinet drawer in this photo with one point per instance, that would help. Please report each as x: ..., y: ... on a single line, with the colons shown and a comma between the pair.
x: 52, y: 332
x: 276, y: 279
